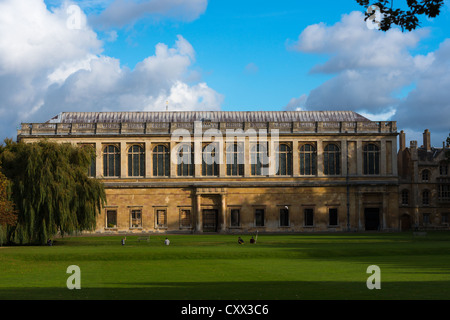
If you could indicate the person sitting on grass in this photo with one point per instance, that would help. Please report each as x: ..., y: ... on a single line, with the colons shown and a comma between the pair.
x: 252, y: 240
x: 240, y: 241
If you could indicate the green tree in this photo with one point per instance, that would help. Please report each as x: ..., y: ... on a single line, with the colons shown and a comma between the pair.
x: 51, y: 189
x: 8, y: 214
x: 405, y: 19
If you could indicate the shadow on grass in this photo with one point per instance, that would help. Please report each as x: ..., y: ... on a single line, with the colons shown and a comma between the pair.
x: 270, y: 290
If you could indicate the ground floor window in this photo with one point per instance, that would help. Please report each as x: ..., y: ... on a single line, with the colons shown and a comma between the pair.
x: 111, y: 218
x: 161, y: 218
x: 333, y: 216
x: 136, y: 218
x: 185, y: 218
x: 426, y: 218
x: 284, y: 217
x: 444, y: 192
x: 309, y: 217
x: 444, y: 218
x: 259, y: 217
x: 235, y: 217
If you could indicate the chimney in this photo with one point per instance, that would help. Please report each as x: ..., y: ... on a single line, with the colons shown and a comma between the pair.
x: 402, y: 140
x: 426, y: 140
x: 413, y: 150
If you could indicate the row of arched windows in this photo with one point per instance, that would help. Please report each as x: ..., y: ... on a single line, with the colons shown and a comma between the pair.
x: 259, y: 160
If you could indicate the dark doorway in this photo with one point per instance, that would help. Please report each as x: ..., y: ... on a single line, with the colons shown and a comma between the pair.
x: 372, y: 218
x: 210, y: 220
x: 405, y: 222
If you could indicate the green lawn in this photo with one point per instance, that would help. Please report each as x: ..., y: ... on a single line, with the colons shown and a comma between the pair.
x: 286, y: 267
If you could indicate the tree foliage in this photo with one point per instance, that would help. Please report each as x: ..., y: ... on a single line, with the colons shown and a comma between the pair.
x: 51, y: 189
x: 8, y: 214
x: 406, y: 19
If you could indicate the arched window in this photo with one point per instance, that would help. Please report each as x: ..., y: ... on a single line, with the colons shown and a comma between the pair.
x: 405, y: 197
x: 426, y: 197
x: 284, y: 160
x: 136, y: 161
x: 371, y: 156
x: 308, y: 160
x: 443, y: 168
x: 161, y: 161
x: 185, y: 164
x: 235, y: 159
x: 331, y: 159
x: 111, y: 161
x: 425, y: 175
x: 259, y: 159
x: 210, y: 160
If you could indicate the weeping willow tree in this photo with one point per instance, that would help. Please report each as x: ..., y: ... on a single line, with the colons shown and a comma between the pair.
x: 8, y: 214
x: 51, y: 189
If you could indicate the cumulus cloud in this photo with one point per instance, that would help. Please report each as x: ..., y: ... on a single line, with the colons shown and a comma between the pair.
x: 106, y: 85
x: 428, y: 104
x: 372, y: 72
x: 296, y: 104
x: 47, y: 68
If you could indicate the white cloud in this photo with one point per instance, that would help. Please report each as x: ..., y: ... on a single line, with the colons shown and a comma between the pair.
x: 124, y: 12
x: 428, y: 104
x: 47, y: 68
x: 296, y: 104
x: 107, y: 86
x: 35, y: 39
x: 373, y: 73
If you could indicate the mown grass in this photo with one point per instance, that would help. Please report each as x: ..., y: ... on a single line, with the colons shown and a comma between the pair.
x: 197, y: 267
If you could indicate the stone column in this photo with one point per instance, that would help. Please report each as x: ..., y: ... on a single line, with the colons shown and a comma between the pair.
x: 223, y: 212
x: 123, y: 160
x: 148, y: 160
x: 198, y: 149
x: 383, y: 158
x: 394, y: 157
x: 295, y: 159
x: 320, y: 158
x: 385, y: 209
x: 98, y: 159
x: 222, y: 158
x: 198, y: 212
x: 344, y: 157
x: 359, y: 208
x: 359, y: 160
x: 247, y: 166
x: 173, y: 164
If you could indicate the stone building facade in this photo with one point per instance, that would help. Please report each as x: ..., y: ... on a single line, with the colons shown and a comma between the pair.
x: 424, y: 185
x: 286, y: 171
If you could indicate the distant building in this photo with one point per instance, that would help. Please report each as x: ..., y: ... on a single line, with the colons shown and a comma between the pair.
x: 286, y: 171
x: 424, y: 185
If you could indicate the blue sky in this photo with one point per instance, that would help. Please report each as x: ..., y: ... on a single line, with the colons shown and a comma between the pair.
x: 220, y: 55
